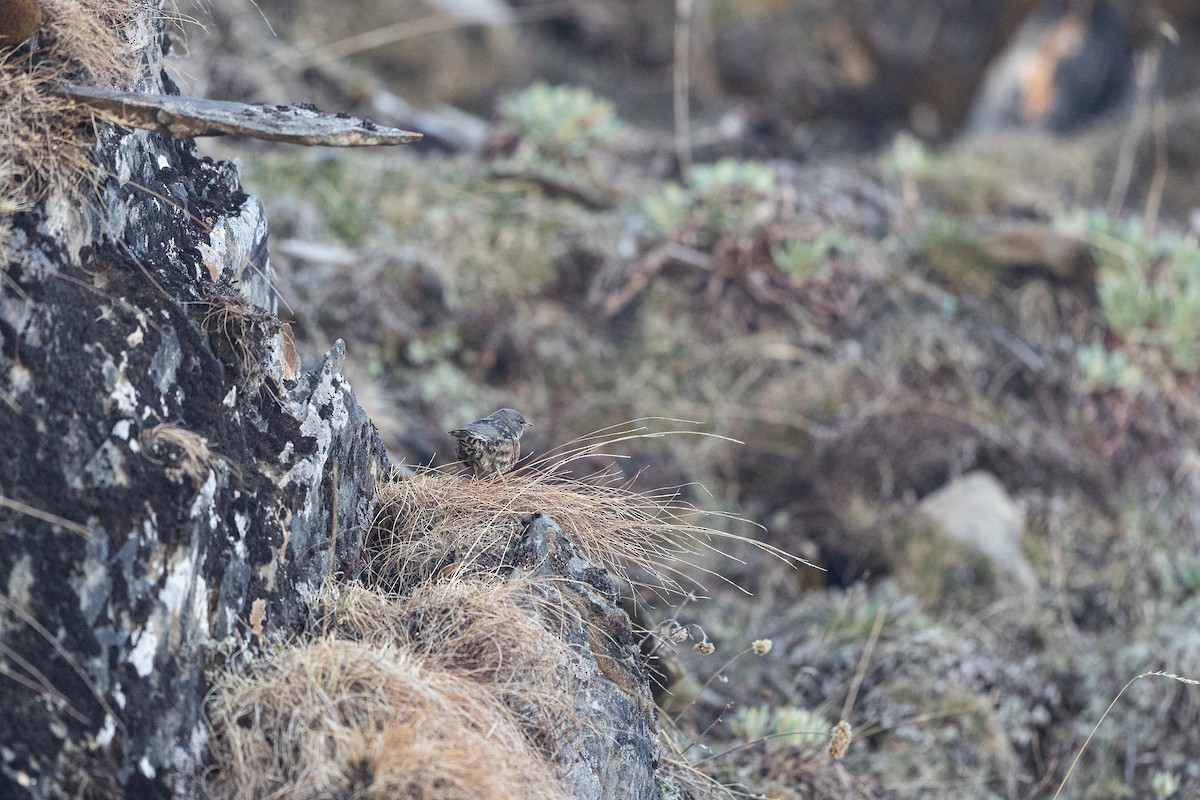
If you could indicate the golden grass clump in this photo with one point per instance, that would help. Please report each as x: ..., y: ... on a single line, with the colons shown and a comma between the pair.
x: 504, y: 636
x: 438, y: 522
x: 349, y: 719
x: 42, y: 143
x: 94, y: 40
x: 238, y: 331
x: 451, y: 674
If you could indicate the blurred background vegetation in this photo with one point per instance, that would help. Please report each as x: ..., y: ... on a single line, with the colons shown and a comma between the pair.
x: 934, y: 264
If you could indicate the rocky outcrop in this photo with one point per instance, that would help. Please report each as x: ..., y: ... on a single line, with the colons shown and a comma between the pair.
x: 170, y: 481
x: 163, y: 478
x: 616, y: 742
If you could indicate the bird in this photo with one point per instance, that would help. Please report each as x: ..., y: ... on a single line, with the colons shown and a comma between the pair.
x: 492, y: 445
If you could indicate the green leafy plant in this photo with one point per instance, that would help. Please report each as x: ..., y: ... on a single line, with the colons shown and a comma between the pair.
x: 907, y: 158
x: 561, y: 121
x: 1104, y: 370
x: 787, y: 726
x: 666, y: 211
x: 731, y: 173
x: 1149, y: 287
x: 1164, y: 785
x: 725, y: 197
x: 804, y: 258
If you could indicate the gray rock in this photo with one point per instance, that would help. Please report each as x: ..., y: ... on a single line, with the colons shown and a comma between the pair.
x: 617, y: 738
x: 974, y: 509
x: 159, y: 474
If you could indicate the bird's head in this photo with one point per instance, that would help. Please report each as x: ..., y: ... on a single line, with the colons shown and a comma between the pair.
x: 511, y: 420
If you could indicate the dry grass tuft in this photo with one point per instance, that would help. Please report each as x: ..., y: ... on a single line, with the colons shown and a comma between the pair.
x: 182, y: 453
x: 506, y: 637
x: 439, y: 522
x: 238, y: 332
x: 349, y: 719
x: 95, y: 40
x: 43, y: 141
x: 461, y: 684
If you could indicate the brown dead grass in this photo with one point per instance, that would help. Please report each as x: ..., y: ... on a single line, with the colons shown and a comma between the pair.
x: 506, y: 637
x: 350, y: 719
x: 182, y: 453
x: 437, y: 523
x: 42, y: 141
x: 91, y: 39
x: 239, y: 333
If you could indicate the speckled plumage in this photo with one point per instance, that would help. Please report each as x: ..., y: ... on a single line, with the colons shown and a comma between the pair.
x: 492, y: 445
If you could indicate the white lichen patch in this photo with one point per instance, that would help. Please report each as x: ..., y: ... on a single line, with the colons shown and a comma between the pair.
x: 107, y: 467
x: 93, y: 585
x: 242, y: 523
x: 154, y: 565
x: 183, y: 597
x: 206, y: 500
x: 178, y: 584
x: 185, y: 757
x: 67, y: 220
x: 328, y: 393
x: 19, y: 378
x: 20, y: 584
x: 232, y: 242
x: 141, y: 658
x: 121, y: 392
x: 124, y: 394
x: 105, y: 736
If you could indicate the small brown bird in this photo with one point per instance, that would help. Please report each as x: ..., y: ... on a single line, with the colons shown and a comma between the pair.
x: 490, y: 446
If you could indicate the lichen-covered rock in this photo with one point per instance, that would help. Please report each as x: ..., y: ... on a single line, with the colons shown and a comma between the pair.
x: 617, y: 738
x: 166, y: 487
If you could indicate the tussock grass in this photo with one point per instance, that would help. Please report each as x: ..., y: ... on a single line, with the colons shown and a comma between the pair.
x: 507, y: 637
x: 182, y: 453
x: 89, y: 38
x: 439, y: 522
x: 240, y: 334
x: 350, y: 719
x: 42, y: 144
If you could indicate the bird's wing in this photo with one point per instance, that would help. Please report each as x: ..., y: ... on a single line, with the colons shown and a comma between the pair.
x: 478, y: 430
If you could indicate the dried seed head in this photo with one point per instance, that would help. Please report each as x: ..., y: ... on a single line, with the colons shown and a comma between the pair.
x: 839, y: 741
x: 704, y: 648
x: 762, y: 646
x: 680, y: 635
